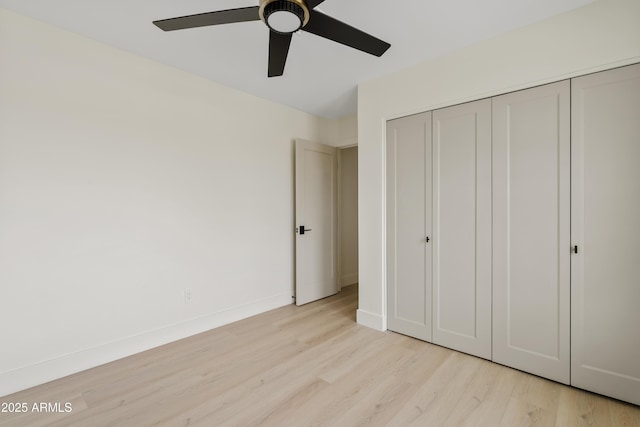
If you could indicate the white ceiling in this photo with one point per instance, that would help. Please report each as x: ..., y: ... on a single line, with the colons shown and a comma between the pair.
x: 320, y: 76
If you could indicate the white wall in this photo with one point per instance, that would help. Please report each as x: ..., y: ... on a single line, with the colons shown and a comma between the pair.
x: 601, y: 35
x: 122, y: 183
x: 348, y: 216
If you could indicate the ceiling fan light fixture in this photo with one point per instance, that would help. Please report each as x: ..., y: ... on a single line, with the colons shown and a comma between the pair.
x: 284, y: 16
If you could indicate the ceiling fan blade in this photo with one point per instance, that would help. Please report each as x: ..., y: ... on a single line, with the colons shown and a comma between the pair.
x: 332, y: 29
x: 313, y: 3
x: 210, y: 18
x: 278, y: 51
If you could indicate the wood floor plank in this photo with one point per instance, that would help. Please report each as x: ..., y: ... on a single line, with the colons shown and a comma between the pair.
x: 378, y: 406
x: 623, y: 414
x: 437, y: 409
x: 490, y: 411
x: 534, y: 401
x: 312, y: 366
x: 485, y: 399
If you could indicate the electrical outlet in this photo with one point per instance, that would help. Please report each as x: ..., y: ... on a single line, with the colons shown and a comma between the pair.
x: 187, y: 296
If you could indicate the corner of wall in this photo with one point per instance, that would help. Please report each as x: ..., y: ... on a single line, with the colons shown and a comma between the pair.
x: 342, y: 131
x: 371, y: 320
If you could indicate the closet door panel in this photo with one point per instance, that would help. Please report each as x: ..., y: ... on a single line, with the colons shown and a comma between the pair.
x: 531, y: 230
x: 462, y: 228
x: 408, y: 223
x: 605, y: 225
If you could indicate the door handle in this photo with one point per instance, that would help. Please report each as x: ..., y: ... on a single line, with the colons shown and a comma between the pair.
x: 304, y: 230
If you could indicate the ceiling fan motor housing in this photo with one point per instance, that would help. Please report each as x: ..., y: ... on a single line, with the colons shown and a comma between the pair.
x: 284, y: 16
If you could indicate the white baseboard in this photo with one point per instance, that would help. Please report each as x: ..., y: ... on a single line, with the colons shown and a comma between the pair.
x: 349, y: 279
x: 371, y: 320
x: 40, y: 373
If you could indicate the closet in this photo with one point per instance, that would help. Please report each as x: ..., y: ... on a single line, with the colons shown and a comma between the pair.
x: 531, y: 230
x: 409, y: 232
x: 605, y: 226
x: 439, y: 227
x: 513, y: 230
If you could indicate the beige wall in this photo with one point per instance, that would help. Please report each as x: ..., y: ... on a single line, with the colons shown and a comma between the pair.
x: 342, y: 131
x: 602, y: 35
x: 348, y: 216
x: 122, y: 183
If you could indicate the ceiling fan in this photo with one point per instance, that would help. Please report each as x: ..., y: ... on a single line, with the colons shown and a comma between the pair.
x: 283, y: 17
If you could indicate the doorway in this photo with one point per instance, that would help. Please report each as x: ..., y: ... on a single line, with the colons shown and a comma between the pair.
x: 326, y: 220
x: 348, y: 216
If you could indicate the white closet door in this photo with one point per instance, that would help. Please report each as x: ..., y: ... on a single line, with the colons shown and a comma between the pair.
x: 531, y: 230
x: 462, y: 228
x: 605, y: 299
x: 408, y: 224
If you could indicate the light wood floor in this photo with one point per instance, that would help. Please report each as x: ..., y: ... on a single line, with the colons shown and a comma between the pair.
x: 312, y: 365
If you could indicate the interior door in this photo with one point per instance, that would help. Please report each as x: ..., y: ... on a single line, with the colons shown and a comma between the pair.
x: 409, y: 237
x: 316, y: 221
x: 531, y: 230
x: 605, y: 280
x: 462, y: 227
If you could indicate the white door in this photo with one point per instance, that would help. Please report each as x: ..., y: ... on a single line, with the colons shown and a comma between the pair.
x: 462, y: 228
x: 605, y: 299
x: 531, y: 230
x: 409, y: 226
x: 316, y: 221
